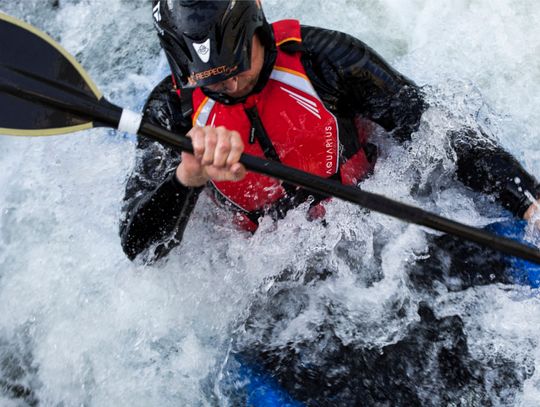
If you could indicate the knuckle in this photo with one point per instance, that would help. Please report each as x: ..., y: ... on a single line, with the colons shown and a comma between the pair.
x: 210, y: 130
x: 198, y: 144
x: 211, y: 138
x: 195, y: 132
x: 223, y: 147
x: 236, y: 139
x: 237, y: 148
x: 211, y: 142
x: 224, y: 142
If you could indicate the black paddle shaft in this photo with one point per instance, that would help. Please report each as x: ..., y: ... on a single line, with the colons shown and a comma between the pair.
x: 65, y: 98
x: 355, y: 195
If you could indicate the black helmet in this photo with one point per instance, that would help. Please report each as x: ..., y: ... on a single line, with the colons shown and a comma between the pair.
x: 207, y: 41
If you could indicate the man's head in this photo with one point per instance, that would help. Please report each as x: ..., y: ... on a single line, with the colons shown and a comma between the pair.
x: 210, y: 43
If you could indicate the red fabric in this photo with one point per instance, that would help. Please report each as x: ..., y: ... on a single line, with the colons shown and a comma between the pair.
x: 244, y: 223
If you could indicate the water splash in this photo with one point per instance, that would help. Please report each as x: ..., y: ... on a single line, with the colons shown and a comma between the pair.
x: 83, y: 326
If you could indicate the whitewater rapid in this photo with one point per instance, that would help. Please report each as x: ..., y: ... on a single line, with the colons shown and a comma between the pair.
x: 81, y: 325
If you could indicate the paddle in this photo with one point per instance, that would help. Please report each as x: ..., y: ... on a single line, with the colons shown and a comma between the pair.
x: 44, y: 91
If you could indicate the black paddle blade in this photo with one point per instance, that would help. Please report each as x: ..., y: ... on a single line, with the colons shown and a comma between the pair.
x: 30, y: 62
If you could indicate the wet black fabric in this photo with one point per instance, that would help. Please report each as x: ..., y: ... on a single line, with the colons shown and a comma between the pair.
x: 430, y: 366
x: 351, y: 79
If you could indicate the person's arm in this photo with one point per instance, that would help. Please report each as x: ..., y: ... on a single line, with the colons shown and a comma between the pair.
x: 157, y: 206
x: 354, y: 78
x: 485, y: 166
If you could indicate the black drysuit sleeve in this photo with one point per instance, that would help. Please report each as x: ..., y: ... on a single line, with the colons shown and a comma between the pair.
x: 352, y: 77
x: 156, y: 206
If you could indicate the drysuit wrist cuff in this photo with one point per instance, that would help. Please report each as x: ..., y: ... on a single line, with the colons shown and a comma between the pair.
x: 178, y: 186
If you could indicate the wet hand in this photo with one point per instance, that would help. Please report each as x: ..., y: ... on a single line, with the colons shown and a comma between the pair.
x: 216, y: 157
x: 533, y: 214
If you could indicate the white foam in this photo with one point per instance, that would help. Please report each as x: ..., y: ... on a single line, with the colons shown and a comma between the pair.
x: 103, y: 331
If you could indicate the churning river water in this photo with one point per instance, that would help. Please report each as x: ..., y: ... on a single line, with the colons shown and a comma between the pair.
x: 80, y: 325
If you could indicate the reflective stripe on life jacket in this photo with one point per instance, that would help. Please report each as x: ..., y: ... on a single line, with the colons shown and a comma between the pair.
x: 298, y: 128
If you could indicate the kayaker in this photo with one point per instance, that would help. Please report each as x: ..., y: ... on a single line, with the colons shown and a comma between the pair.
x: 300, y: 95
x: 287, y: 92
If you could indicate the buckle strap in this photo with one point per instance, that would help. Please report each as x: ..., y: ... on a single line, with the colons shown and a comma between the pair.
x: 294, y: 195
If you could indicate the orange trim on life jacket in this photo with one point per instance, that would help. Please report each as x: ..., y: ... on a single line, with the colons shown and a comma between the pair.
x: 295, y: 39
x: 291, y: 71
x: 198, y: 112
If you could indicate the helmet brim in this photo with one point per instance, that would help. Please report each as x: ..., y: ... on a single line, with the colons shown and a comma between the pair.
x: 207, y: 76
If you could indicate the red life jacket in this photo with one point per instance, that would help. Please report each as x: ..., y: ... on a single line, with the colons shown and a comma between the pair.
x: 303, y: 133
